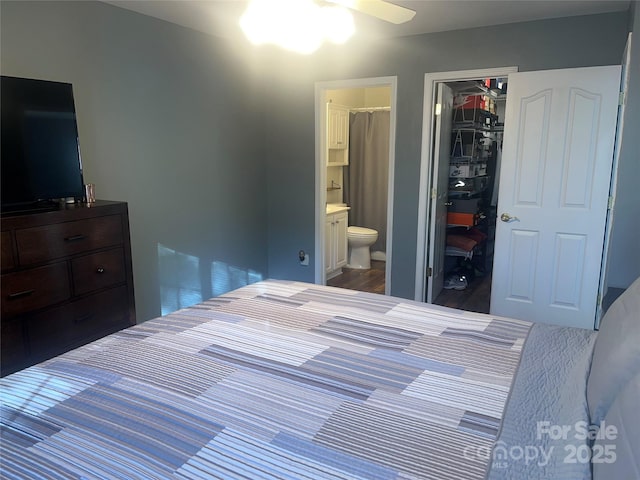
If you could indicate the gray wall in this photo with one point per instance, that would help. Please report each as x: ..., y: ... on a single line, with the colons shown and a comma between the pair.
x: 560, y: 43
x: 167, y: 124
x: 624, y: 258
x: 212, y: 145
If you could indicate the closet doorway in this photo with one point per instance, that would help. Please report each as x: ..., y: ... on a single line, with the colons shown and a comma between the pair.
x: 354, y: 180
x: 555, y: 186
x: 462, y: 136
x: 467, y: 155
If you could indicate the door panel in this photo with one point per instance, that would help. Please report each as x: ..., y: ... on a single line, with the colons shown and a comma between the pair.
x: 580, y: 153
x: 532, y: 147
x: 554, y: 185
x: 440, y: 191
x: 569, y: 259
x: 524, y: 244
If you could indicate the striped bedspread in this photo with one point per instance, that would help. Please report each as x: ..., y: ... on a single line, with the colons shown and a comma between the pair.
x: 274, y: 380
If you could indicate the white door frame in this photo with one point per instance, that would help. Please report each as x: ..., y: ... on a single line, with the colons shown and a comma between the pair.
x: 604, y: 271
x: 321, y: 167
x: 426, y: 159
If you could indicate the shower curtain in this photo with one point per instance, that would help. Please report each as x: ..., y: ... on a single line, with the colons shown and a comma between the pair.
x: 367, y: 176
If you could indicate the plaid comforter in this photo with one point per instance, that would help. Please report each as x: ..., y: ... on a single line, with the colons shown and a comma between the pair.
x: 274, y: 380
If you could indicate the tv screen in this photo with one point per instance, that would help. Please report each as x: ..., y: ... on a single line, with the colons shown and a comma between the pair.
x: 40, y: 150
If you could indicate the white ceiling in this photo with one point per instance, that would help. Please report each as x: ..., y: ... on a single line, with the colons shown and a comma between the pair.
x: 220, y: 17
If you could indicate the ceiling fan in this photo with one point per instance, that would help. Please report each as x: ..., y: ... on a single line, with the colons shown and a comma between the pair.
x: 387, y: 11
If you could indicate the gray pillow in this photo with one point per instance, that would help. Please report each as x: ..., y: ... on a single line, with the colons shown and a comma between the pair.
x: 615, y: 453
x: 616, y: 355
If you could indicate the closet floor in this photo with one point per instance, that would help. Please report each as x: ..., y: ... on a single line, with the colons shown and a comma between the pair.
x: 475, y: 298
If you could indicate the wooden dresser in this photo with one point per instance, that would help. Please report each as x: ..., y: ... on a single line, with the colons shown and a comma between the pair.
x: 66, y: 280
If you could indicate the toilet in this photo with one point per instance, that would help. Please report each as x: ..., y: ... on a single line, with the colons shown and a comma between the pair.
x: 360, y: 240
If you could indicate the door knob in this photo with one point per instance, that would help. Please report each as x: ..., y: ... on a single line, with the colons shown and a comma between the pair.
x: 505, y: 217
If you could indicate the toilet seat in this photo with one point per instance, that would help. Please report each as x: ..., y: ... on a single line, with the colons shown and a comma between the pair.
x: 363, y: 231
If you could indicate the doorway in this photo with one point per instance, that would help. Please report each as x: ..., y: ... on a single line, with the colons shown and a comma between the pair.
x: 555, y: 181
x: 468, y: 151
x: 367, y: 105
x: 459, y: 157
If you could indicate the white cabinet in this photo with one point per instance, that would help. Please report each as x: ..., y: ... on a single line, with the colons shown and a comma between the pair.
x: 338, y: 131
x: 335, y: 243
x: 337, y: 135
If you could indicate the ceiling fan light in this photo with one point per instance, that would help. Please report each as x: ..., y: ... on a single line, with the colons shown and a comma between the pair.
x: 305, y: 45
x: 345, y: 3
x: 255, y: 22
x: 300, y: 37
x: 299, y: 29
x: 338, y: 24
x: 297, y: 25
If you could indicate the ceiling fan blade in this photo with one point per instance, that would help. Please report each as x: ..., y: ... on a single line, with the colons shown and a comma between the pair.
x: 380, y: 9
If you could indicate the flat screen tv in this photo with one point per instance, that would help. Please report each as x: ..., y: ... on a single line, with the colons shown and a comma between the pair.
x: 40, y: 160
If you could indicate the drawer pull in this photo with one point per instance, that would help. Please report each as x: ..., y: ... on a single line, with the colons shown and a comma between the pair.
x: 13, y: 296
x: 75, y: 238
x: 100, y: 270
x: 83, y: 318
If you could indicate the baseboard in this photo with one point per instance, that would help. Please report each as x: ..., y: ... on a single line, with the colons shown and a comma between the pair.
x: 380, y: 256
x: 333, y: 274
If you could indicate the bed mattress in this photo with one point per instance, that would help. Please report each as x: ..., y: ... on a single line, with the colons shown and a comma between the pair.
x: 274, y: 380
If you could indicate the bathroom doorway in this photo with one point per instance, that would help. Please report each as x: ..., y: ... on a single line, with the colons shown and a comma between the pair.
x: 354, y: 182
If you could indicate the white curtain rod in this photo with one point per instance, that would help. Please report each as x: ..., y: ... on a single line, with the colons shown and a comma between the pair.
x: 368, y: 109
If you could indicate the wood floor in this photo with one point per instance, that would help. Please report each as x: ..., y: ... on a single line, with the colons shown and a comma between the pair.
x: 475, y: 298
x: 362, y: 280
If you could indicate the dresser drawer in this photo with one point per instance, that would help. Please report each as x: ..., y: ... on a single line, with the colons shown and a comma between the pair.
x: 96, y: 271
x: 35, y: 288
x: 79, y: 322
x: 40, y: 244
x: 6, y: 245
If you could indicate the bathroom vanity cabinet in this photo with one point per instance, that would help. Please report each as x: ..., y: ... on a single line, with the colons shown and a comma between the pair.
x: 335, y: 243
x: 337, y: 135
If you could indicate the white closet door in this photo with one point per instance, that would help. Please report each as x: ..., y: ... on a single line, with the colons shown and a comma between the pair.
x: 554, y: 186
x: 440, y: 191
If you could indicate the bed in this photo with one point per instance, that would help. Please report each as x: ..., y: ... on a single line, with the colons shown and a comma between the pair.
x: 291, y: 380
